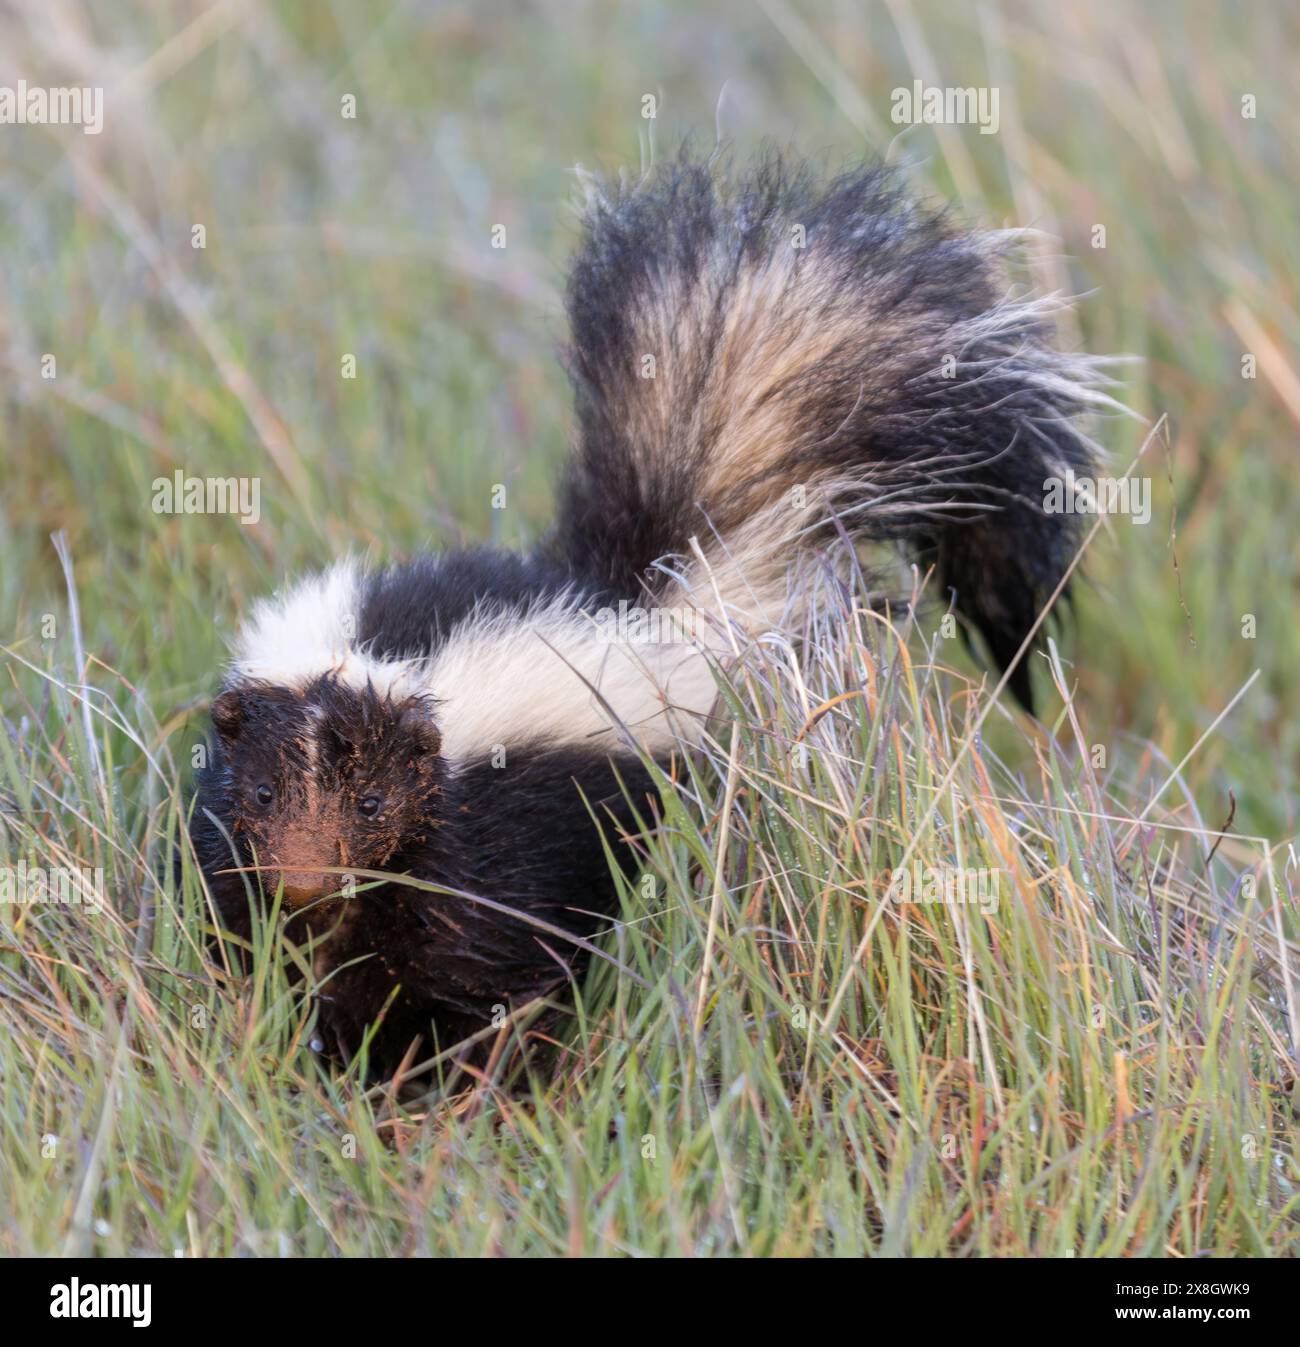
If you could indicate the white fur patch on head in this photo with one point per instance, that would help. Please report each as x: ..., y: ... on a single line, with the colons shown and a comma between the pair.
x: 311, y: 629
x: 552, y: 673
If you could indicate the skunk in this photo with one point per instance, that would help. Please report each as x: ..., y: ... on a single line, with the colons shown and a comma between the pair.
x: 759, y: 357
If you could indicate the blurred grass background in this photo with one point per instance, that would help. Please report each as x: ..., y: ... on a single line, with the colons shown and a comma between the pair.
x: 372, y: 236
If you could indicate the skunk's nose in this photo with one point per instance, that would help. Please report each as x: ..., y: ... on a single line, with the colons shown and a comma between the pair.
x: 297, y: 851
x: 302, y: 887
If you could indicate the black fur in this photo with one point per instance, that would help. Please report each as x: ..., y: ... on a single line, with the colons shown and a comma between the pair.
x: 414, y: 608
x: 519, y: 832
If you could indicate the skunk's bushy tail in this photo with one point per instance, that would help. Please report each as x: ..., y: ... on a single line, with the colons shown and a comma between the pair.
x: 753, y: 352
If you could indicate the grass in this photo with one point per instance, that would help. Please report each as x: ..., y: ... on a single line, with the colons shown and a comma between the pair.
x: 781, y: 1058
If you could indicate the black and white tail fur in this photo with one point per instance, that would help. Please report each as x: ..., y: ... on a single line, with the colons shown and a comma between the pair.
x: 751, y: 354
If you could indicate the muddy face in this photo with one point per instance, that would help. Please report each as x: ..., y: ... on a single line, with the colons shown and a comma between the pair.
x: 325, y: 777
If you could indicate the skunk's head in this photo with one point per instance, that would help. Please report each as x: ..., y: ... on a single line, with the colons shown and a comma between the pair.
x: 325, y: 775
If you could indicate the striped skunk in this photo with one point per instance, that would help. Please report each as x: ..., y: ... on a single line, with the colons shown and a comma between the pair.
x: 758, y: 357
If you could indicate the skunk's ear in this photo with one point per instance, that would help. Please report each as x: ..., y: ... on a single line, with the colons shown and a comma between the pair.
x: 424, y: 734
x: 228, y: 715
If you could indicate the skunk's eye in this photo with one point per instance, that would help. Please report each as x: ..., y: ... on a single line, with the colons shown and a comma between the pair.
x: 264, y: 794
x: 369, y: 806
